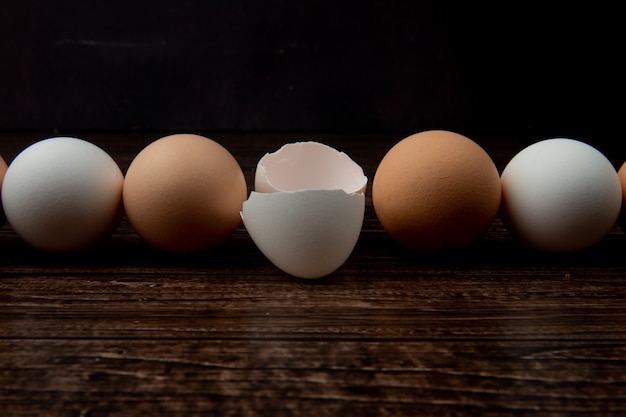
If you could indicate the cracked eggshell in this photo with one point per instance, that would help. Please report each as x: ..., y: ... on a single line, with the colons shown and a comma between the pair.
x: 309, y: 233
x: 307, y: 209
x: 308, y: 166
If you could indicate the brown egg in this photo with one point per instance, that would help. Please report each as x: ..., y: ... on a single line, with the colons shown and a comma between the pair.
x: 3, y: 170
x: 184, y: 193
x: 436, y: 190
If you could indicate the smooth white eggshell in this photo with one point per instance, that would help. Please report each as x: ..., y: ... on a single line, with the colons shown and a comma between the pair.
x: 309, y: 233
x: 560, y: 195
x: 308, y: 165
x: 307, y: 210
x: 63, y: 194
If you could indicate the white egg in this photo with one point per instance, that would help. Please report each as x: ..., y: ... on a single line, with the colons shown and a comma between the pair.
x: 307, y: 234
x: 63, y: 194
x: 307, y: 210
x: 560, y: 195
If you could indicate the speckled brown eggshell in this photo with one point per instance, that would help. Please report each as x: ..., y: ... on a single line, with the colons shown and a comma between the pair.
x: 184, y: 193
x: 436, y: 190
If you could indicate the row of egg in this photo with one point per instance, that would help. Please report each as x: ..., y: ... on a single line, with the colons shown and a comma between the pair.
x: 433, y: 190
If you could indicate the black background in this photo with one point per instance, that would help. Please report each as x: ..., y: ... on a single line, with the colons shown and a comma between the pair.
x: 342, y: 66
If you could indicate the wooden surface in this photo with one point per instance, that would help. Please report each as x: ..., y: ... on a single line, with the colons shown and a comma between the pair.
x: 491, y: 330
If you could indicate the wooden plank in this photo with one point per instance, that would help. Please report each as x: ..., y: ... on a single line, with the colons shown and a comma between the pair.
x: 360, y: 377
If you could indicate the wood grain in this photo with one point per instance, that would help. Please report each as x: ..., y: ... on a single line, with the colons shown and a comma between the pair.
x: 491, y: 330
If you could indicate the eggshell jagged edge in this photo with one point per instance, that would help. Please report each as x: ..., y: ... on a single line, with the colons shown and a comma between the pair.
x: 301, y: 161
x: 307, y: 232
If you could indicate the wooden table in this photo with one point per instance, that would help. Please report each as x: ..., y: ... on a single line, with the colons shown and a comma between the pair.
x: 494, y: 329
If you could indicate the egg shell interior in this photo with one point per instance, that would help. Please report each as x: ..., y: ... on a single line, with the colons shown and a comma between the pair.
x: 306, y: 166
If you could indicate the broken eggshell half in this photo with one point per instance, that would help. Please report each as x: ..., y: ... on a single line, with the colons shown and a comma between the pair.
x: 308, y: 166
x: 306, y: 212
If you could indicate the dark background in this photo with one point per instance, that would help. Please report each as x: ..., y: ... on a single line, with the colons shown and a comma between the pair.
x: 340, y: 66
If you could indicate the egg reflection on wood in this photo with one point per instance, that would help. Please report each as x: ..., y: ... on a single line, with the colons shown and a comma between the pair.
x: 306, y: 212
